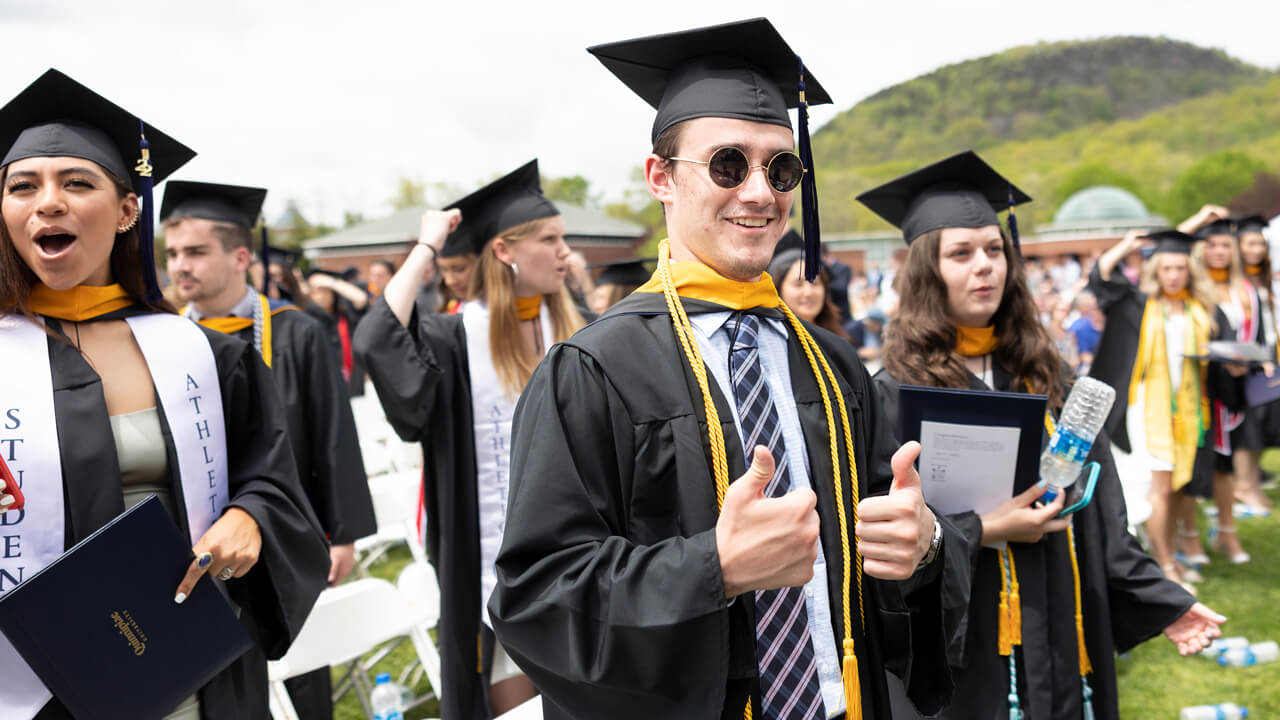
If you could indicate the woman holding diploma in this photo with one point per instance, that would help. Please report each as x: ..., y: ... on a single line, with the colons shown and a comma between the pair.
x: 109, y: 396
x: 1047, y: 601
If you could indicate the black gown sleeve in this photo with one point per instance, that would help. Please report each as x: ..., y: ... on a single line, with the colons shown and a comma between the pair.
x: 410, y: 365
x: 1143, y: 601
x: 293, y: 564
x: 340, y: 486
x: 1220, y: 385
x: 962, y: 542
x: 590, y: 615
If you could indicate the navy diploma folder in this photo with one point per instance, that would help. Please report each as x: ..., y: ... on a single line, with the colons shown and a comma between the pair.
x: 101, y: 630
x: 979, y: 407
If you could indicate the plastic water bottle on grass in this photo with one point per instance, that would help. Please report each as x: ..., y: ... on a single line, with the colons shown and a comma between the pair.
x: 1082, y: 417
x: 1221, y: 711
x: 1256, y: 654
x: 1221, y: 645
x: 388, y: 702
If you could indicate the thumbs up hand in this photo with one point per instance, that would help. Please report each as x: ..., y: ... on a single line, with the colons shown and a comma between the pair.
x: 894, y: 531
x: 764, y: 542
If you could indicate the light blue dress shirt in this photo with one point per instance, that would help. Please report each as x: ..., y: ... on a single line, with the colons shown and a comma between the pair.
x: 712, y: 333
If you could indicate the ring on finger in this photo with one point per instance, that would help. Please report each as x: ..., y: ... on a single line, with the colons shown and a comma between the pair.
x: 226, y: 573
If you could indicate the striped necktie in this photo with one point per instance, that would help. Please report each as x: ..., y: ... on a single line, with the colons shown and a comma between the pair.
x: 788, y: 669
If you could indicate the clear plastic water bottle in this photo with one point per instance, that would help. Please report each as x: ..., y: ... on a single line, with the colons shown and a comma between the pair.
x: 1082, y: 417
x: 1221, y: 645
x: 1255, y: 654
x: 388, y: 702
x: 1221, y: 711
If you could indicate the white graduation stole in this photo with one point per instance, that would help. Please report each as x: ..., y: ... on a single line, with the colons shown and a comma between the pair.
x: 186, y: 380
x: 491, y: 411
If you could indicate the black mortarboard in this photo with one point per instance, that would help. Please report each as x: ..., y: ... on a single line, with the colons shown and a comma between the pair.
x: 510, y: 200
x: 56, y: 116
x: 790, y: 240
x: 459, y: 242
x: 742, y: 70
x: 1250, y: 224
x: 625, y: 272
x: 1221, y: 226
x: 962, y: 191
x: 234, y: 204
x: 284, y: 257
x: 1172, y: 241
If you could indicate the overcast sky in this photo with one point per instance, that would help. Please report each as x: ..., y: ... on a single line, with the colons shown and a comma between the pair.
x: 329, y: 102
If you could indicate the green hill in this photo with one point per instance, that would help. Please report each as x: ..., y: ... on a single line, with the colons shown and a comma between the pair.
x: 1133, y: 111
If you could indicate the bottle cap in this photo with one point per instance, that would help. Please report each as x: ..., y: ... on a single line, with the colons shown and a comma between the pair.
x: 382, y: 678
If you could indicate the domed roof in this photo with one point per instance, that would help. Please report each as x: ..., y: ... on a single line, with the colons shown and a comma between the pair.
x: 1101, y: 203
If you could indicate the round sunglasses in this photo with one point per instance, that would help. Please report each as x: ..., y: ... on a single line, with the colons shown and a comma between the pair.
x: 729, y: 168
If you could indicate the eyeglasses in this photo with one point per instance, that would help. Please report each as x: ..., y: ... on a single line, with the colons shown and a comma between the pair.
x: 729, y: 168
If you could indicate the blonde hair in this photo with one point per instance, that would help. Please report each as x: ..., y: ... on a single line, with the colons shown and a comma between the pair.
x: 494, y: 282
x: 1199, y: 284
x: 1236, y: 278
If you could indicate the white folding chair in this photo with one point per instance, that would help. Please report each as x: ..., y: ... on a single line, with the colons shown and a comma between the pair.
x: 417, y: 583
x: 346, y: 622
x: 395, y: 507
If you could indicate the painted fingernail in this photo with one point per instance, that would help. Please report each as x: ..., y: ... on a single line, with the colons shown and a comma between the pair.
x: 203, y: 560
x: 179, y: 598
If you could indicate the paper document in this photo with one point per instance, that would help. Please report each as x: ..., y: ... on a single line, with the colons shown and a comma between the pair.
x: 967, y: 467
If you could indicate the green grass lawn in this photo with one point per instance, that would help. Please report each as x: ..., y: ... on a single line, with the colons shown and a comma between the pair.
x: 1155, y: 682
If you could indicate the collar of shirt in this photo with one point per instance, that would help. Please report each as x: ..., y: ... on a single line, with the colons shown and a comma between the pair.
x: 243, y: 309
x: 709, y: 323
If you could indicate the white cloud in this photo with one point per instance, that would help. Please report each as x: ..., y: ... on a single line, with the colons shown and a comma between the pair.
x: 328, y: 102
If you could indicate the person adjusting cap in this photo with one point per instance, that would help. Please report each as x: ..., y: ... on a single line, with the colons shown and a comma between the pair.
x: 510, y: 200
x: 961, y: 191
x: 741, y: 70
x: 55, y: 116
x: 1173, y: 241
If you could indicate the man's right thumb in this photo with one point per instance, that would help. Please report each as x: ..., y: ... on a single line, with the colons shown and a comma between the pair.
x: 761, y: 470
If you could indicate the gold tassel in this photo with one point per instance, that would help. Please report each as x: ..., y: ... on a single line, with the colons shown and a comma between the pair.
x: 479, y: 654
x: 1015, y: 603
x: 852, y: 685
x: 1082, y: 651
x: 1004, y: 637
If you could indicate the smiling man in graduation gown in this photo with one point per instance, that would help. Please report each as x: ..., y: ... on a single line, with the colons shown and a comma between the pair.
x: 208, y: 235
x: 686, y: 470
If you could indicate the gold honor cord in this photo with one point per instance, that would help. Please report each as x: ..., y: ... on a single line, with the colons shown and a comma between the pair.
x: 720, y: 466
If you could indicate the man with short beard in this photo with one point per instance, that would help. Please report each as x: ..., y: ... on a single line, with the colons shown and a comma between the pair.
x: 636, y: 581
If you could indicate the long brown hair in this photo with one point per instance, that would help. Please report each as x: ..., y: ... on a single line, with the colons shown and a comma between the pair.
x: 17, y: 279
x: 494, y: 281
x: 920, y: 342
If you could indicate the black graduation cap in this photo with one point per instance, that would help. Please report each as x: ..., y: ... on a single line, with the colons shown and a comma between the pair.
x: 742, y: 70
x: 962, y: 191
x: 1221, y: 226
x: 790, y: 240
x: 1250, y: 224
x: 234, y: 204
x: 510, y: 200
x: 625, y: 272
x: 1173, y: 241
x: 56, y: 116
x: 282, y: 256
x: 459, y: 242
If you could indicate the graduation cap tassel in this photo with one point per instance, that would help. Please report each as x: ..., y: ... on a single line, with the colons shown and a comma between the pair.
x: 266, y: 272
x: 146, y: 226
x: 1013, y: 225
x: 808, y: 189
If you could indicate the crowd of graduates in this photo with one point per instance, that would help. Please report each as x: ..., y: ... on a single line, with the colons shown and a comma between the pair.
x: 669, y: 487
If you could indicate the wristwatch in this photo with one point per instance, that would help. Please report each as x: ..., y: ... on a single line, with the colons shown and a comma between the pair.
x: 934, y: 545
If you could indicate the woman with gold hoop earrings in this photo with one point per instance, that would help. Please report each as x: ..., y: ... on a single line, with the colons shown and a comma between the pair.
x: 117, y: 398
x: 451, y: 382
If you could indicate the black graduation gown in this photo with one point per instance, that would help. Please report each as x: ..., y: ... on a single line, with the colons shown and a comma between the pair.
x: 1126, y: 600
x: 609, y: 589
x: 1249, y: 434
x: 322, y: 429
x: 277, y: 594
x: 1123, y: 305
x: 423, y: 382
x: 329, y: 327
